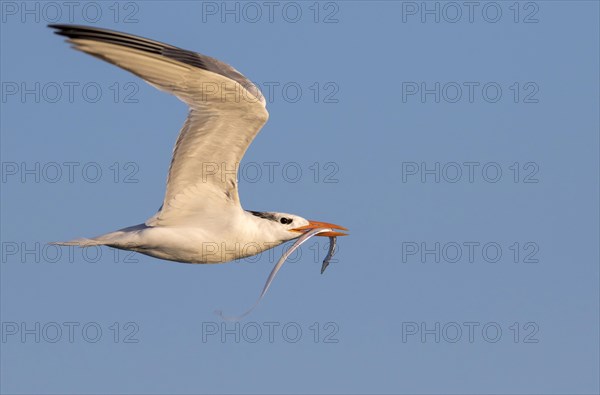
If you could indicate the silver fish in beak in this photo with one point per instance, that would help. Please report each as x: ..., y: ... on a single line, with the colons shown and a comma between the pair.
x: 314, y: 231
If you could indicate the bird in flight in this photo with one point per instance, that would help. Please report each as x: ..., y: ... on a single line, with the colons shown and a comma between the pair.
x: 201, y: 219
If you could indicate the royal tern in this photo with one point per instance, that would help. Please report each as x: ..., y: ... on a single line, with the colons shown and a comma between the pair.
x: 201, y: 219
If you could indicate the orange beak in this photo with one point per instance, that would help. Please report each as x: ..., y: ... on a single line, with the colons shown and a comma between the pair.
x: 316, y: 224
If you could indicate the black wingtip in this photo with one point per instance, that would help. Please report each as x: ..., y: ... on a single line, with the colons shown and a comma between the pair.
x: 65, y: 30
x: 56, y: 27
x: 79, y: 32
x: 61, y: 26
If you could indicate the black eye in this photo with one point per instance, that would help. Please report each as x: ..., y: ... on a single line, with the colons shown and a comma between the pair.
x: 285, y: 220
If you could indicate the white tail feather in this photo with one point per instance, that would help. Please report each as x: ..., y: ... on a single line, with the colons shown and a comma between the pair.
x: 113, y: 239
x: 78, y: 242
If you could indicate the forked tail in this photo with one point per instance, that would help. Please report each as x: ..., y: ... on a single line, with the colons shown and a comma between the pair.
x: 113, y: 239
x: 81, y: 242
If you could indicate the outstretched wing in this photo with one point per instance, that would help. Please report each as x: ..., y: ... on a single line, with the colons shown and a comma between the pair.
x: 226, y: 112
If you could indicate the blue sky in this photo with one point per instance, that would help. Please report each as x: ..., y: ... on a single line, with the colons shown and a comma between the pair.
x: 459, y: 143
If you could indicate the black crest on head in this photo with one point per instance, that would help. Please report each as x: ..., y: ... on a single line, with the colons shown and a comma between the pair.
x: 264, y: 215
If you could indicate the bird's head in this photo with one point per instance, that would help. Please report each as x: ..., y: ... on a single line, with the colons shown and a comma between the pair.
x: 290, y: 226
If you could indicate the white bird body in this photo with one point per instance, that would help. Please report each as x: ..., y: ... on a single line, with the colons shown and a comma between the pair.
x: 201, y: 219
x: 241, y: 236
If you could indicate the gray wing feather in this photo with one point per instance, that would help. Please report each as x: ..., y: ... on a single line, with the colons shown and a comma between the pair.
x: 226, y: 112
x: 158, y: 48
